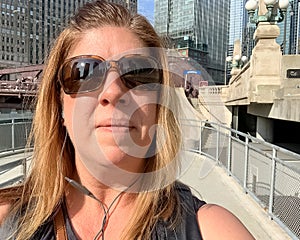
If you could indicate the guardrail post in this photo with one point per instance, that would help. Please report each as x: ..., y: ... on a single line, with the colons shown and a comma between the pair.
x: 246, y: 163
x: 218, y: 144
x: 13, y: 134
x: 200, y: 140
x: 229, y: 154
x: 272, y: 183
x: 24, y: 163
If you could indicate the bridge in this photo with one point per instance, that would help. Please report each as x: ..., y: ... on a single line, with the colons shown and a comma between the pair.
x: 18, y: 83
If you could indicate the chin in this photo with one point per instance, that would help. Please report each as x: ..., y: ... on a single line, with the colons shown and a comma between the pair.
x: 122, y: 159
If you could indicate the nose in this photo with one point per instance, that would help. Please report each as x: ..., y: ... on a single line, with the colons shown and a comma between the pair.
x: 114, y: 91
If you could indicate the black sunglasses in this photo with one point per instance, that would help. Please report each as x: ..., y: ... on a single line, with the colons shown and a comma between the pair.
x: 86, y: 73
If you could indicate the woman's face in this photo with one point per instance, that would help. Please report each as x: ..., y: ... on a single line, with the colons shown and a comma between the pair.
x: 113, y: 125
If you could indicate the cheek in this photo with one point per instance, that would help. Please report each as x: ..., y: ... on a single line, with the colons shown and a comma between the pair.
x: 78, y: 114
x: 146, y: 107
x: 150, y: 112
x: 147, y: 118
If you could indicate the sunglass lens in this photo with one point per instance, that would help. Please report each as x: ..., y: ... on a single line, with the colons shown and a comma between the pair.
x: 82, y: 75
x: 138, y: 71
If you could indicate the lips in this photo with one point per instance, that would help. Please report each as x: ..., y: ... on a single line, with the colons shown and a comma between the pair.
x: 115, y: 125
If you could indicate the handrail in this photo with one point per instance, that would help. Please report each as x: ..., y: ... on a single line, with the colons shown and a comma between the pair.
x: 21, y: 160
x: 14, y: 132
x: 253, y: 139
x: 242, y: 154
x: 274, y: 172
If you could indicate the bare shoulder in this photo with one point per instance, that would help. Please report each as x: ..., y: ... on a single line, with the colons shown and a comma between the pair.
x: 4, y: 210
x: 216, y: 222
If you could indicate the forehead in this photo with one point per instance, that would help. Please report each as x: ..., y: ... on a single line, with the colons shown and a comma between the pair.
x: 108, y: 42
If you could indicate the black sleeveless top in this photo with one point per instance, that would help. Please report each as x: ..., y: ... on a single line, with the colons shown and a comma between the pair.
x: 187, y: 229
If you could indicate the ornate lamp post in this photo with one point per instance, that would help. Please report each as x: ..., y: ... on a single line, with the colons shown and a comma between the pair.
x: 237, y: 61
x: 272, y: 10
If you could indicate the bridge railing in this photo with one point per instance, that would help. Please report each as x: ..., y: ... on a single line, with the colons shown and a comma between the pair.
x: 270, y: 174
x: 14, y: 133
x: 18, y: 87
x: 14, y: 166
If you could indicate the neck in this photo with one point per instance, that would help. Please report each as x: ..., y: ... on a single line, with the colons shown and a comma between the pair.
x: 108, y: 179
x: 110, y: 207
x: 91, y: 189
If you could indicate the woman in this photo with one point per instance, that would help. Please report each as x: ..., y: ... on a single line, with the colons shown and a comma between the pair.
x: 106, y: 143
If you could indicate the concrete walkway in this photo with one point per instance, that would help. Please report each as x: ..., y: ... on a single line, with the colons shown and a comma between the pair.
x: 212, y: 184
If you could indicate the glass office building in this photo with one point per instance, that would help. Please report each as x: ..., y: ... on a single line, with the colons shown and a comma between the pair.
x: 199, y: 26
x: 28, y: 27
x: 289, y: 29
x: 239, y: 28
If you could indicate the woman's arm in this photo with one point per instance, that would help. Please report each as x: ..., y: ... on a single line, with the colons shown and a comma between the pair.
x: 216, y: 222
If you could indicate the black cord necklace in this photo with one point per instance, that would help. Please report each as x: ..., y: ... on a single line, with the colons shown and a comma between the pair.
x: 88, y: 193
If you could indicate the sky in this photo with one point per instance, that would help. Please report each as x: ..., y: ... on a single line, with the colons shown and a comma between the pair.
x: 146, y: 8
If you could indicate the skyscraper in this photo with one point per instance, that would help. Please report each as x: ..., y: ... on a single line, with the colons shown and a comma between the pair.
x: 239, y: 27
x: 199, y: 28
x: 28, y: 27
x: 289, y: 29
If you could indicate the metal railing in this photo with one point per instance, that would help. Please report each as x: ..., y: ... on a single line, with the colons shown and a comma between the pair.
x: 14, y: 166
x: 270, y: 174
x: 14, y: 133
x: 26, y: 87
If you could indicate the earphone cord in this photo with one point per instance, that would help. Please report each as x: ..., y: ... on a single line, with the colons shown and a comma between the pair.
x: 101, y: 231
x: 86, y: 192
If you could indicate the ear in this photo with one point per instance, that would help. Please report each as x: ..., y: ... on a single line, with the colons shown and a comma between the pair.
x: 62, y: 118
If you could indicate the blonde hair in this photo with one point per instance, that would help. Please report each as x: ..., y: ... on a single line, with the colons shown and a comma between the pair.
x: 44, y: 188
